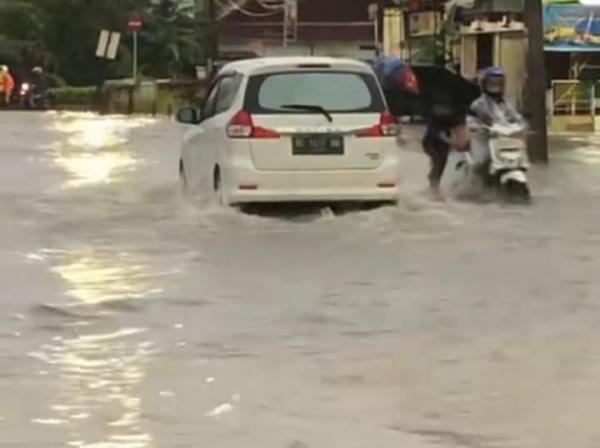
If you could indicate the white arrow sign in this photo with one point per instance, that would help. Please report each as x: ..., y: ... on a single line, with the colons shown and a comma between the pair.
x: 108, y: 44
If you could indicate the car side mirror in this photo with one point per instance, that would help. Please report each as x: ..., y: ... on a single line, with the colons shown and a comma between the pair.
x: 189, y: 115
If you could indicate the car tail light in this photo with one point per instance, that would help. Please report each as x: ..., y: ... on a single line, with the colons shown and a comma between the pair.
x: 242, y: 126
x: 387, y: 127
x: 388, y: 124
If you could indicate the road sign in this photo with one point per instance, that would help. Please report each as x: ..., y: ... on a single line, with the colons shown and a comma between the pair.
x: 135, y: 24
x: 102, y: 43
x: 113, y: 45
x: 108, y: 44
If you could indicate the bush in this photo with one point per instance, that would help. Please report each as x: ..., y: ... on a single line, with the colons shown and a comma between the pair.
x: 55, y: 81
x: 74, y: 95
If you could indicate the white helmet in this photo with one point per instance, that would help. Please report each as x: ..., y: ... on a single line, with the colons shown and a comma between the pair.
x: 4, y: 68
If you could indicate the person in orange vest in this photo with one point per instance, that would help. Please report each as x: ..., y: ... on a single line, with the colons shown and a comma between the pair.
x: 7, y: 84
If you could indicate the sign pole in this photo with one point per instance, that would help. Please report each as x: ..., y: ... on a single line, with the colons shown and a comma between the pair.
x: 135, y: 55
x: 135, y: 25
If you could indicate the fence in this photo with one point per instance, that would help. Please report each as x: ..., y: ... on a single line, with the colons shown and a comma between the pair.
x: 574, y: 105
x: 150, y: 97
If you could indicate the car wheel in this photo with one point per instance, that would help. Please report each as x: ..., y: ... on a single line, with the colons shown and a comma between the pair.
x: 183, y: 178
x: 218, y: 193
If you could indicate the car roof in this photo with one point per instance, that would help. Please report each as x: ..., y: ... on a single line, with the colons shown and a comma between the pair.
x: 269, y: 64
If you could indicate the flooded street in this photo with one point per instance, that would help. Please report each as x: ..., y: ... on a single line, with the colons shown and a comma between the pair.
x: 133, y: 317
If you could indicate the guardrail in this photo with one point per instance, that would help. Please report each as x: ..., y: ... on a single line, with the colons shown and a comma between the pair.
x: 574, y: 97
x: 574, y: 105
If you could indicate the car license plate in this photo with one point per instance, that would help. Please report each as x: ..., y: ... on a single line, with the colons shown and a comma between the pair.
x: 314, y: 145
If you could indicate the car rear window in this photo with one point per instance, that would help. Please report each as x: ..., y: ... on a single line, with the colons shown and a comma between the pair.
x: 339, y: 92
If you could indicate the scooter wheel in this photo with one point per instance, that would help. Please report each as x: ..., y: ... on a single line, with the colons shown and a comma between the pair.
x: 517, y: 192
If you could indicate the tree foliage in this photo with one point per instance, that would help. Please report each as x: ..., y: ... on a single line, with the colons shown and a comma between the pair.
x: 63, y: 34
x: 171, y: 40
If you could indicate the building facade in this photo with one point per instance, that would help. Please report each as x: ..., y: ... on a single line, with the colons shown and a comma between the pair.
x: 300, y: 27
x: 469, y: 34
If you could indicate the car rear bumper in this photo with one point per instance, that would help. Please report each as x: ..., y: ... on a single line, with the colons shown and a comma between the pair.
x: 389, y: 195
x: 334, y: 186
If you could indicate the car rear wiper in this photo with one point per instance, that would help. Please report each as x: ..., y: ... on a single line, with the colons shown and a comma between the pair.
x: 310, y: 108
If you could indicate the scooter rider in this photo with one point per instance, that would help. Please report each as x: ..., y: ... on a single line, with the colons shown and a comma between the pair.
x: 38, y: 82
x: 35, y: 92
x: 491, y: 106
x: 489, y: 109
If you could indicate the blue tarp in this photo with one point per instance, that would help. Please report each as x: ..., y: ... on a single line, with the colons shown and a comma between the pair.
x: 387, y: 69
x: 572, y: 28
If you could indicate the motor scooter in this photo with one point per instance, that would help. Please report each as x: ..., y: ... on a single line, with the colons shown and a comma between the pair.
x: 30, y: 99
x: 495, y: 161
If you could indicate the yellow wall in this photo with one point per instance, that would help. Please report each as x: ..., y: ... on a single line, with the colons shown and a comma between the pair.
x: 393, y: 33
x: 512, y: 57
x: 510, y: 53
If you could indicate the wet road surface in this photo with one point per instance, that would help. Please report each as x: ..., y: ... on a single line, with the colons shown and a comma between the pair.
x: 132, y: 317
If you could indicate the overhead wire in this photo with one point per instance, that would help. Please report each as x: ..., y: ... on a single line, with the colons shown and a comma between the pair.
x: 229, y: 6
x: 272, y: 5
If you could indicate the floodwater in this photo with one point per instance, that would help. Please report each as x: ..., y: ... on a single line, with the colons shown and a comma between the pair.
x: 133, y: 317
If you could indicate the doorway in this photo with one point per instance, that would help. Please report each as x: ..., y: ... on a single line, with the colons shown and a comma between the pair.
x: 485, y: 50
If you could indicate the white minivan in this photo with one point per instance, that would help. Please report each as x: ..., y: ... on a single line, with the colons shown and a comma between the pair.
x: 292, y: 129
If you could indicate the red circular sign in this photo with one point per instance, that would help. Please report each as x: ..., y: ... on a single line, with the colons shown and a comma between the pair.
x: 135, y: 23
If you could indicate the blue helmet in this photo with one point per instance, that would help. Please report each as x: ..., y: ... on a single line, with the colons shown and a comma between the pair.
x: 493, y: 80
x: 493, y: 71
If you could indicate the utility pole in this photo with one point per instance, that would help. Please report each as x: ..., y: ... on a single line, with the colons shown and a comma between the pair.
x: 212, y: 22
x: 286, y: 22
x: 536, y: 82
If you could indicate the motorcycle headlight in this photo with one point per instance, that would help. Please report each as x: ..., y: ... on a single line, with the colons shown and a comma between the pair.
x: 509, y: 159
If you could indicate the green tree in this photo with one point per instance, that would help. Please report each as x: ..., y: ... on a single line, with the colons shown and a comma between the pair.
x: 63, y: 34
x: 17, y: 20
x: 18, y: 33
x: 171, y: 41
x: 69, y: 31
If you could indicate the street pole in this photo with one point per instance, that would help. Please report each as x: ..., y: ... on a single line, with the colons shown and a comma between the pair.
x: 536, y: 82
x: 286, y: 15
x: 134, y: 25
x: 214, y: 26
x: 374, y: 15
x: 135, y: 55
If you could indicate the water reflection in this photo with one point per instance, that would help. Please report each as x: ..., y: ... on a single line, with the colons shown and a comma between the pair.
x: 97, y: 168
x: 99, y: 403
x: 93, y: 150
x: 99, y: 276
x: 91, y: 131
x: 102, y: 364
